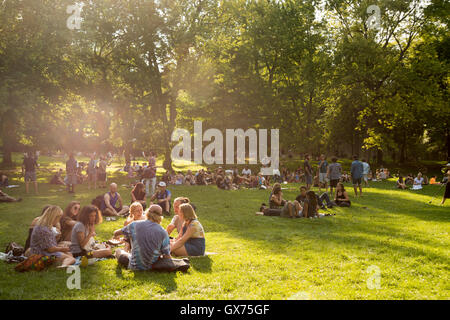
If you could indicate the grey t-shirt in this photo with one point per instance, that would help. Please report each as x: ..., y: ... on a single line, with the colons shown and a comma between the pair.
x: 177, y: 222
x: 75, y: 245
x: 335, y: 171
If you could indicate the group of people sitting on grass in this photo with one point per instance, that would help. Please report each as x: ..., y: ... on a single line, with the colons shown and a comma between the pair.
x: 71, y: 233
x: 416, y: 183
x: 306, y: 204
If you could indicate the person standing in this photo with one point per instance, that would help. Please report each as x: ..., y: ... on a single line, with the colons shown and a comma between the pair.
x: 29, y: 167
x: 92, y: 171
x: 357, y: 174
x: 308, y: 172
x: 323, y: 169
x: 71, y: 170
x: 150, y: 175
x: 101, y: 172
x: 447, y: 185
x: 366, y: 170
x: 334, y: 173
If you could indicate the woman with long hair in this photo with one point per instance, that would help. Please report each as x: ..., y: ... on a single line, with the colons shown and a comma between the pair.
x: 136, y: 213
x: 310, y: 205
x: 69, y: 219
x: 83, y: 234
x: 177, y: 222
x: 192, y: 241
x: 341, y: 197
x: 138, y: 194
x: 43, y: 239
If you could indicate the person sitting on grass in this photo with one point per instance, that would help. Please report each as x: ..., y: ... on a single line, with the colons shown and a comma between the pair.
x: 112, y: 204
x: 149, y: 241
x: 3, y: 180
x: 401, y: 183
x: 418, y: 181
x: 192, y: 241
x: 83, y: 234
x: 324, y: 197
x: 310, y: 206
x: 189, y: 178
x: 162, y: 197
x: 57, y: 178
x: 409, y: 180
x: 43, y: 239
x: 136, y: 213
x: 278, y: 206
x: 33, y: 224
x: 69, y: 220
x: 433, y: 180
x: 177, y: 221
x: 138, y: 194
x: 341, y: 199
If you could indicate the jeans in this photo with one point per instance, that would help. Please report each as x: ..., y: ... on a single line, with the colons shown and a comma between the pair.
x: 147, y: 185
x: 324, y: 197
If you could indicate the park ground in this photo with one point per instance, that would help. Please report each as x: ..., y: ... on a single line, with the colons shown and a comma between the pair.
x: 396, y: 232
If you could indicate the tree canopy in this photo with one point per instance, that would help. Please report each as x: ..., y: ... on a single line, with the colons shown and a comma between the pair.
x: 331, y: 75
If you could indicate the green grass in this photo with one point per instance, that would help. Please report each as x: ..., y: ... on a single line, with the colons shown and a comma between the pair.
x: 259, y: 257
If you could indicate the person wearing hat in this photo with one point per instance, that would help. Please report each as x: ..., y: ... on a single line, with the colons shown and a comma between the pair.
x: 162, y: 198
x: 149, y: 241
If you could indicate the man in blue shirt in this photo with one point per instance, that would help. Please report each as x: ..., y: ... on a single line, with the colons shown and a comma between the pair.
x: 357, y: 174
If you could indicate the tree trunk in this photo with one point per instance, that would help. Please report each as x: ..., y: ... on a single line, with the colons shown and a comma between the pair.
x: 379, y: 157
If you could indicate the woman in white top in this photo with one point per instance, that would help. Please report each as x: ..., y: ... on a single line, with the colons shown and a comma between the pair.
x: 418, y: 182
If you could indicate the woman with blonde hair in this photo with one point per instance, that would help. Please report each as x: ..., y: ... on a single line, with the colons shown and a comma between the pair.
x: 192, y: 240
x: 136, y: 213
x: 43, y: 239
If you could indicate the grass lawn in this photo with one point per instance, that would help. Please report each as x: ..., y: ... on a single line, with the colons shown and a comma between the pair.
x: 259, y: 257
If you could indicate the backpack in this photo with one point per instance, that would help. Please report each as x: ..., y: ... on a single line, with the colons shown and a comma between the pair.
x: 35, y: 262
x: 17, y: 250
x: 171, y: 265
x: 98, y: 201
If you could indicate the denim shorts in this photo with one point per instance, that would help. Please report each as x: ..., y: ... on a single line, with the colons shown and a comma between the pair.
x: 195, y: 247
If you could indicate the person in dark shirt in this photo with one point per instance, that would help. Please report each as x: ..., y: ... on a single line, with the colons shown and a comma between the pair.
x: 324, y: 197
x: 357, y: 170
x: 29, y: 167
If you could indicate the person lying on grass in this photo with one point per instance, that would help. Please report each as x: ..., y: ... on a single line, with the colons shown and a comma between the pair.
x: 177, y: 222
x: 149, y: 241
x: 6, y: 198
x: 341, y: 199
x: 43, y: 239
x: 83, y: 234
x: 280, y: 207
x: 192, y: 241
x: 324, y: 197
